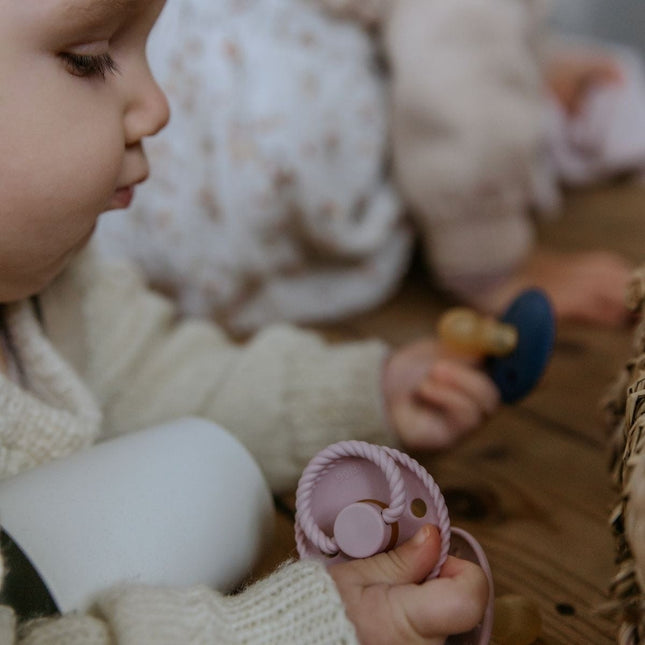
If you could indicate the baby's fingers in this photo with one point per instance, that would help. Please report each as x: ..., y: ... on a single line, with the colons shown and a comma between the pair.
x: 449, y: 383
x: 410, y: 562
x: 451, y: 604
x: 455, y: 410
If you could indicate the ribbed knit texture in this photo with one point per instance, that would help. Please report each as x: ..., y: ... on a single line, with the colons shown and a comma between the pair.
x: 56, y: 417
x: 69, y: 630
x: 297, y: 605
x: 7, y: 626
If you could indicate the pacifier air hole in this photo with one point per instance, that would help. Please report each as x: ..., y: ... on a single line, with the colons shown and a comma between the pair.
x: 418, y: 507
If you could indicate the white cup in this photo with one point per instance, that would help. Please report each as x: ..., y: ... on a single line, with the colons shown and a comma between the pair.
x: 178, y: 504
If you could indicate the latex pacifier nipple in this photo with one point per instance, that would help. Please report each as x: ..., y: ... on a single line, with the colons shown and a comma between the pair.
x: 516, y: 347
x: 465, y: 330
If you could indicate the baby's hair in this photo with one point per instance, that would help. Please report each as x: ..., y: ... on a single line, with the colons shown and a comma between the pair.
x: 8, y: 342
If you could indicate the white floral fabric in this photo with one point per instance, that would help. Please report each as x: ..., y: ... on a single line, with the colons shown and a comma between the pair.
x: 268, y: 199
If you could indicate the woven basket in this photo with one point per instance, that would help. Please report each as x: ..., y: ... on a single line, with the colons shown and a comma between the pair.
x: 625, y: 420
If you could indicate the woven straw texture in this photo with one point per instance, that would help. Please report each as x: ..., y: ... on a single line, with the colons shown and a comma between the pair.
x: 625, y: 420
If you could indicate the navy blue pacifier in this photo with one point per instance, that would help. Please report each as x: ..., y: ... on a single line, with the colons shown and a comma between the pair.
x: 517, y: 346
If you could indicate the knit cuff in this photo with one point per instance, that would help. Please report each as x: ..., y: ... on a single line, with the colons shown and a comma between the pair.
x: 337, y: 394
x: 298, y: 604
x: 71, y: 629
x: 7, y: 623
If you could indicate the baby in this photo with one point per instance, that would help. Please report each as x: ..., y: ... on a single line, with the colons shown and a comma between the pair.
x: 312, y: 142
x: 87, y: 353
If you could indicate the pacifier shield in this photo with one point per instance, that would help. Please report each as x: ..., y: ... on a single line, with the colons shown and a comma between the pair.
x: 353, y: 487
x: 517, y: 373
x: 355, y: 499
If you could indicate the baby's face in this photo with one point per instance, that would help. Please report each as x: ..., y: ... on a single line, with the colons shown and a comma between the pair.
x: 76, y: 100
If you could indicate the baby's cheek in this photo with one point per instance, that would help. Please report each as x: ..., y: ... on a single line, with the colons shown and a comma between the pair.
x: 104, y: 182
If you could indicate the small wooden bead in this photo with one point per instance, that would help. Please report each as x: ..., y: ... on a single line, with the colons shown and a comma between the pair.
x: 465, y: 330
x: 517, y: 621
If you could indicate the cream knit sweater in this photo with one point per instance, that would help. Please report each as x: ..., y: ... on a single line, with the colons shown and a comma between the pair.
x: 114, y: 359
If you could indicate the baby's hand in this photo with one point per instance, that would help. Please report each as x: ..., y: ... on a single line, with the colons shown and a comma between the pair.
x: 432, y: 399
x: 388, y: 602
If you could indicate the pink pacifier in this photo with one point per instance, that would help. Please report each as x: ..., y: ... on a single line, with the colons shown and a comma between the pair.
x: 356, y: 499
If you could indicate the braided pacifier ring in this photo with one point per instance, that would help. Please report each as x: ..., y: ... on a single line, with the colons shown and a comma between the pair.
x: 321, y: 464
x: 443, y: 519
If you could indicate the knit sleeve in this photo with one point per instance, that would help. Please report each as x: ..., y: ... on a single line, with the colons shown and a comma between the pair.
x: 286, y: 394
x: 297, y: 605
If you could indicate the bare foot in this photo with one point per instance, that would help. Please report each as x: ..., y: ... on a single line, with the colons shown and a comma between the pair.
x: 587, y: 286
x: 571, y: 73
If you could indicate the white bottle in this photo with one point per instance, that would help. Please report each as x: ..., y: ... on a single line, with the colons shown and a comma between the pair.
x: 178, y: 504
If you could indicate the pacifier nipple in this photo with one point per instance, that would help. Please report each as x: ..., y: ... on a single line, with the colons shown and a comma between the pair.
x: 467, y: 331
x: 360, y: 531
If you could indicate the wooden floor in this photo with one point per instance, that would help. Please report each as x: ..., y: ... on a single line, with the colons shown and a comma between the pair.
x: 533, y: 486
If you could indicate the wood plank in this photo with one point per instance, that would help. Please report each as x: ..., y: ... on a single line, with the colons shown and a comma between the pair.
x: 608, y: 217
x: 540, y: 515
x: 585, y: 363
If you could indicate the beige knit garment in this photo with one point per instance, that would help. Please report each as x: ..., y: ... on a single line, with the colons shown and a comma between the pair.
x: 297, y: 605
x: 466, y: 132
x: 57, y: 416
x: 112, y: 347
x: 285, y: 394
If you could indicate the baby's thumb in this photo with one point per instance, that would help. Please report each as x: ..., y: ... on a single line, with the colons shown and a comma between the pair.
x: 410, y: 562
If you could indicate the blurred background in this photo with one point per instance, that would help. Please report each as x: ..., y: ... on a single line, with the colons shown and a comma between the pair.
x: 618, y: 20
